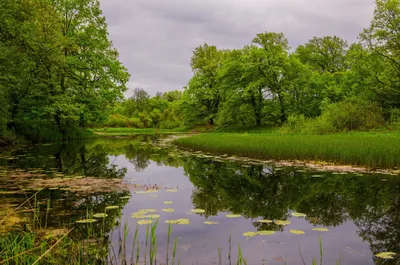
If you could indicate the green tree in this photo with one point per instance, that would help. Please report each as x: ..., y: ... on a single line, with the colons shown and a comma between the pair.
x: 326, y: 54
x: 271, y: 59
x: 202, y: 97
x: 382, y: 41
x: 93, y: 78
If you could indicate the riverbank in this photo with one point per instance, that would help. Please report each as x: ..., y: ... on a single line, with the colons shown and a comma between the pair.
x: 373, y: 151
x: 136, y: 131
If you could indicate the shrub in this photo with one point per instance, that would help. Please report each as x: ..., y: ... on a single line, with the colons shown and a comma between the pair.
x: 117, y: 120
x: 338, y: 117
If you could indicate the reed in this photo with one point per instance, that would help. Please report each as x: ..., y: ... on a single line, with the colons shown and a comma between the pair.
x: 369, y: 150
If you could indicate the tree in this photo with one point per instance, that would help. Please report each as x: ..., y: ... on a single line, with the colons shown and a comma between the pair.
x: 202, y: 96
x: 271, y: 60
x: 382, y: 42
x: 326, y: 54
x: 93, y: 78
x: 140, y: 98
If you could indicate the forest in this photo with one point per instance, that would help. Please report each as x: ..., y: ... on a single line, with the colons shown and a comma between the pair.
x: 59, y: 72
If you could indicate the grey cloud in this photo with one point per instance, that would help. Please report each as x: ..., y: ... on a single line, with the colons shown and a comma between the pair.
x: 155, y: 38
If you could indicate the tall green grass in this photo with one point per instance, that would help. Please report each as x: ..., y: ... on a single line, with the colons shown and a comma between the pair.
x: 370, y: 150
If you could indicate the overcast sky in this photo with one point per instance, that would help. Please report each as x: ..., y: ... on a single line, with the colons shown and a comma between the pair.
x: 155, y: 38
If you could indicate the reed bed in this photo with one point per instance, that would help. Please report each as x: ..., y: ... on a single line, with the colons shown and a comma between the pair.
x: 372, y: 151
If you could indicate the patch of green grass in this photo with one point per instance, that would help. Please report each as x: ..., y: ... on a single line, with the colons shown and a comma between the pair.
x: 374, y: 150
x: 136, y: 131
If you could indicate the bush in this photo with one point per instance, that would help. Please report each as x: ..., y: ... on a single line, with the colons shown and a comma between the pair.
x: 117, y: 120
x: 343, y: 116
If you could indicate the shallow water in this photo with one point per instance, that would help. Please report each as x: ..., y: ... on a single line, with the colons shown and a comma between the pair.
x: 362, y: 212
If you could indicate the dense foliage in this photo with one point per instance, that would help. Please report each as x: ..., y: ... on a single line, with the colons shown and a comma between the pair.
x: 58, y: 69
x: 267, y: 82
x: 143, y: 111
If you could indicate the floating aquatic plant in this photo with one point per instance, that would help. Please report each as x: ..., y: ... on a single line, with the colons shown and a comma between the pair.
x: 112, y: 207
x: 86, y: 221
x: 299, y: 215
x: 153, y: 216
x: 153, y: 196
x: 168, y: 210
x: 266, y: 233
x: 171, y: 190
x: 168, y: 202
x: 321, y: 229
x: 264, y: 221
x: 297, y: 232
x: 282, y: 222
x: 182, y: 221
x: 100, y: 215
x: 233, y: 215
x: 250, y: 234
x: 211, y: 223
x: 198, y: 211
x: 148, y: 210
x: 386, y: 255
x: 144, y: 222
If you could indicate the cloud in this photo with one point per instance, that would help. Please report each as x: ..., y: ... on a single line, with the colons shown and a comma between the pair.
x: 155, y: 38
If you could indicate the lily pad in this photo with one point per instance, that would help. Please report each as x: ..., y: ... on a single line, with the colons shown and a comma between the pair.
x: 321, y: 229
x: 266, y: 233
x: 125, y: 197
x: 86, y: 221
x: 153, y: 216
x: 211, y: 223
x: 282, y: 222
x: 386, y: 255
x: 100, y: 215
x: 250, y: 234
x: 198, y: 211
x: 139, y: 215
x: 153, y: 196
x: 182, y: 221
x: 168, y: 202
x: 140, y: 192
x: 168, y: 210
x: 112, y: 207
x: 297, y: 232
x: 171, y: 190
x: 233, y: 215
x: 144, y: 222
x: 151, y: 191
x: 264, y: 221
x: 299, y: 215
x: 148, y: 210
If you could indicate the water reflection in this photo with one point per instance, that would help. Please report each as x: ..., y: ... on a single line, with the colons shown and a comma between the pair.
x: 371, y: 202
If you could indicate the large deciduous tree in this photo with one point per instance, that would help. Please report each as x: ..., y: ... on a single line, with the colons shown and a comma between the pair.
x: 202, y: 96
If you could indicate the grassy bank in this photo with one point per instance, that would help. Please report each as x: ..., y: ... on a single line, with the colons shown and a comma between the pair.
x: 359, y: 149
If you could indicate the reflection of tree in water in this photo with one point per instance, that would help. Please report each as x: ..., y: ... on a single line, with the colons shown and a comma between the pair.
x: 253, y: 191
x: 263, y: 192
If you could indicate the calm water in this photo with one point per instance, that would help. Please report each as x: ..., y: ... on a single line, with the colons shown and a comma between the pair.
x: 362, y: 212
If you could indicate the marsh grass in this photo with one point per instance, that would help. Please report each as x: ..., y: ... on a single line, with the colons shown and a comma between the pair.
x: 370, y: 150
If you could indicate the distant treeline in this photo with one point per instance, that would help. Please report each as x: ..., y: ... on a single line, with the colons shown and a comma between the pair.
x: 324, y: 85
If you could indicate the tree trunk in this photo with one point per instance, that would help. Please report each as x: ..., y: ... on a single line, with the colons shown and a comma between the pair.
x: 282, y: 109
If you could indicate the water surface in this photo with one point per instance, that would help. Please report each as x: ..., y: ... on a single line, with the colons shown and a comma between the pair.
x: 361, y: 211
